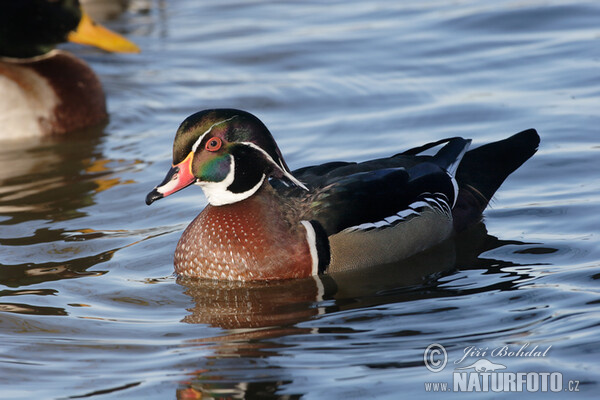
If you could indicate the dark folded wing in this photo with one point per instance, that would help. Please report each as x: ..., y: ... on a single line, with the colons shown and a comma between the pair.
x: 379, y: 193
x: 381, y: 198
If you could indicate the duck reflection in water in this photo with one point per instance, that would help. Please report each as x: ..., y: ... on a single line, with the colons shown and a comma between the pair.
x: 244, y: 305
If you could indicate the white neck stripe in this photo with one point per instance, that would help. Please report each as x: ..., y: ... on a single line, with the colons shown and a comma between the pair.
x: 278, y: 166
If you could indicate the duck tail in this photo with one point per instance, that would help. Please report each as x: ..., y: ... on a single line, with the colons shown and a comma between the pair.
x: 483, y: 170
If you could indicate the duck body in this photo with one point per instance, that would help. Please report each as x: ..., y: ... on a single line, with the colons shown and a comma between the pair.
x: 51, y: 94
x: 265, y: 222
x: 47, y: 91
x: 383, y: 210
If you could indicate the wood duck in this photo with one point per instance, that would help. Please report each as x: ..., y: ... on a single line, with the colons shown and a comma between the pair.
x: 265, y: 222
x: 47, y: 91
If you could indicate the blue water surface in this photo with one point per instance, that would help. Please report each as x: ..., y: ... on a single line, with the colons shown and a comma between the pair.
x: 89, y: 304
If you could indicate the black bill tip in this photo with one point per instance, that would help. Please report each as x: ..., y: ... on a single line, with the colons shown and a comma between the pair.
x: 153, y: 196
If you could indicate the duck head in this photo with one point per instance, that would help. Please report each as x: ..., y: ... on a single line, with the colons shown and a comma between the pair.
x: 228, y: 153
x: 30, y: 28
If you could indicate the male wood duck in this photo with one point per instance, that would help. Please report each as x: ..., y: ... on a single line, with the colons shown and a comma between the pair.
x: 47, y: 91
x: 264, y: 222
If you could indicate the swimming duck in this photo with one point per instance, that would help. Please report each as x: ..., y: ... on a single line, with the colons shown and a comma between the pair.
x: 47, y: 91
x: 265, y: 222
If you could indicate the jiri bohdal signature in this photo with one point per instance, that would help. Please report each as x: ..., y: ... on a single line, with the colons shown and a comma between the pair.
x: 504, y: 351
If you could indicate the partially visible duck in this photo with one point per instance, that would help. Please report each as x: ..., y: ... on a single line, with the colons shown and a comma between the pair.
x: 264, y: 222
x: 103, y: 10
x: 47, y: 91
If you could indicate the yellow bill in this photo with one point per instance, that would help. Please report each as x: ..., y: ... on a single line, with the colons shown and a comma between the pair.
x: 93, y: 34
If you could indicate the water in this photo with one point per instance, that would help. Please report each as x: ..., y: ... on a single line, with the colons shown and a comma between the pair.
x: 89, y: 307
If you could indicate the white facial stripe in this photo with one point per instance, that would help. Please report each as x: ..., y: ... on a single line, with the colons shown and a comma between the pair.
x: 311, y: 239
x: 279, y: 166
x: 197, y: 143
x: 217, y: 194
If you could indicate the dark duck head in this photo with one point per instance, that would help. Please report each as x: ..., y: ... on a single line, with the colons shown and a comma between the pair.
x: 228, y: 153
x: 30, y: 28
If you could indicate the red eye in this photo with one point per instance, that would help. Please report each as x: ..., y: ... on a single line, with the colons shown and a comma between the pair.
x: 214, y: 144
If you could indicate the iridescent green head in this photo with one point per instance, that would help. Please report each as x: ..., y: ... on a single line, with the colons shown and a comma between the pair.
x: 229, y: 153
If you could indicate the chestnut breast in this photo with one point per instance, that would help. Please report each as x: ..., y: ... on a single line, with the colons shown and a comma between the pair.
x: 247, y: 240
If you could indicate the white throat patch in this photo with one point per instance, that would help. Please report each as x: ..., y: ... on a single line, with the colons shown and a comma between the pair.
x: 217, y: 194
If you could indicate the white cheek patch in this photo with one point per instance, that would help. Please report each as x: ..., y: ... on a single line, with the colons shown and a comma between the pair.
x: 217, y: 194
